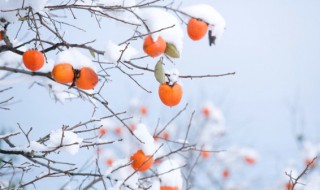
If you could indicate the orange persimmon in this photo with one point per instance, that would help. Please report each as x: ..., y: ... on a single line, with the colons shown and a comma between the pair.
x: 154, y: 48
x: 141, y: 162
x: 63, y: 73
x: 168, y: 188
x: 33, y: 59
x: 170, y: 95
x: 197, y: 28
x: 87, y: 79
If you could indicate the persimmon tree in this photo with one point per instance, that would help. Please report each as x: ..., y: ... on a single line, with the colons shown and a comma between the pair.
x: 36, y: 43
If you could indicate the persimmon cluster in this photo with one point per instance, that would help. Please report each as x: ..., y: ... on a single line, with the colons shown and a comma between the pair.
x: 84, y: 78
x: 171, y: 95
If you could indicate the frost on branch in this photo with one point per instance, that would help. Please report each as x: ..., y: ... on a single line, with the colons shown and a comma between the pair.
x: 147, y: 145
x: 120, y: 171
x: 170, y: 174
x: 115, y: 53
x: 11, y: 16
x: 75, y: 58
x: 68, y: 140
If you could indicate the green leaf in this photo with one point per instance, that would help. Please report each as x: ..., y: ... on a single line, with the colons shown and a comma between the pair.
x: 92, y: 53
x: 159, y: 72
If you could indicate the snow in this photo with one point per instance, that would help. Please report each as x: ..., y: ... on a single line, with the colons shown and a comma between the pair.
x: 37, y: 5
x: 310, y: 150
x: 216, y: 113
x: 170, y: 178
x: 173, y: 76
x: 113, y: 52
x: 155, y: 185
x: 124, y: 3
x: 37, y: 147
x: 107, y: 123
x: 12, y: 16
x: 68, y: 137
x: 148, y: 146
x: 121, y: 14
x: 10, y: 58
x: 248, y: 152
x: 20, y: 148
x: 157, y: 19
x: 207, y: 13
x: 4, y: 136
x: 75, y: 58
x: 120, y: 170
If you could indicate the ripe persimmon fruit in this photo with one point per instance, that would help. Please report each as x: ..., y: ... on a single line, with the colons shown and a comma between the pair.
x: 170, y: 95
x: 87, y: 79
x: 109, y: 162
x: 308, y: 161
x: 143, y: 110
x: 165, y: 135
x: 168, y: 188
x: 140, y: 161
x: 118, y: 130
x: 288, y: 186
x: 197, y: 28
x: 225, y: 173
x: 204, y: 154
x: 33, y: 59
x: 154, y: 48
x: 63, y: 73
x: 206, y: 111
x: 249, y: 160
x: 132, y: 127
x: 102, y: 131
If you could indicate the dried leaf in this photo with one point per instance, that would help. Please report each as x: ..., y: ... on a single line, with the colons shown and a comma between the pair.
x: 23, y: 18
x: 172, y: 51
x: 159, y: 72
x: 92, y: 53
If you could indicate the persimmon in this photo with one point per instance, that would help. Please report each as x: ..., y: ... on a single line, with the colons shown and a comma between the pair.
x: 33, y: 59
x: 170, y: 95
x: 168, y: 188
x: 87, y: 79
x: 102, y: 131
x: 204, y: 154
x: 1, y: 35
x: 308, y: 161
x: 154, y: 48
x: 206, y: 111
x: 249, y: 160
x: 165, y: 135
x: 288, y: 186
x: 118, y: 130
x: 63, y: 73
x: 225, y: 173
x: 109, y: 162
x: 132, y: 127
x: 140, y: 161
x: 197, y: 28
x: 143, y: 110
